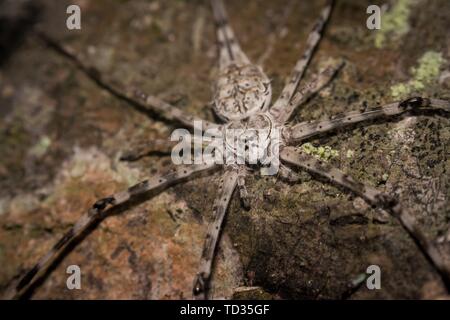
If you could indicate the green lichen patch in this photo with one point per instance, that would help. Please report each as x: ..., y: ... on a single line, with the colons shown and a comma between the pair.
x: 394, y: 23
x: 324, y: 153
x: 427, y: 71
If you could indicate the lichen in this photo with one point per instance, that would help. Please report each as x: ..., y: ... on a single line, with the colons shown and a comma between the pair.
x: 425, y: 73
x: 394, y: 23
x: 324, y: 153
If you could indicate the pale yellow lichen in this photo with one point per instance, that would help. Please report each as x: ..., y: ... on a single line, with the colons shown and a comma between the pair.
x: 395, y: 22
x: 426, y: 72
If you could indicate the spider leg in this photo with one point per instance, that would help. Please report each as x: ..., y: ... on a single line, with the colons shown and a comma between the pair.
x: 139, y: 100
x: 243, y: 193
x: 299, y: 70
x: 99, y: 210
x: 162, y: 147
x: 229, y: 49
x: 282, y: 113
x: 288, y: 174
x: 226, y: 188
x: 306, y: 130
x: 375, y: 198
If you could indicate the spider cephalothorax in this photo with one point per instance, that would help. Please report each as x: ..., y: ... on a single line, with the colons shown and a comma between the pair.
x: 249, y: 139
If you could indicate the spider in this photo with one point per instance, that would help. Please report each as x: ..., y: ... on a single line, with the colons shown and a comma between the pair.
x: 242, y: 98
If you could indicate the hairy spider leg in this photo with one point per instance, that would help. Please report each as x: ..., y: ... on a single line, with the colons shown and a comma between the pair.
x: 227, y: 185
x: 142, y: 102
x: 312, y: 87
x: 376, y: 198
x: 306, y: 130
x: 278, y: 108
x: 229, y: 50
x: 97, y: 212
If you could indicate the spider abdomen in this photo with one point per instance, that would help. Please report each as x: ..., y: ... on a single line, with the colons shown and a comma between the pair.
x: 241, y: 90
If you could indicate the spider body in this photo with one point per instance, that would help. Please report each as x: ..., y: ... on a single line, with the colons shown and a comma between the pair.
x: 242, y: 98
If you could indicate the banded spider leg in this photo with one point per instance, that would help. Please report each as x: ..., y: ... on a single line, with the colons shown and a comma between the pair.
x: 136, y: 98
x: 143, y: 103
x: 312, y: 87
x: 227, y: 185
x: 291, y: 96
x: 304, y: 130
x: 99, y: 210
x: 229, y: 50
x: 231, y: 57
x: 376, y: 198
x: 299, y: 132
x: 243, y: 193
